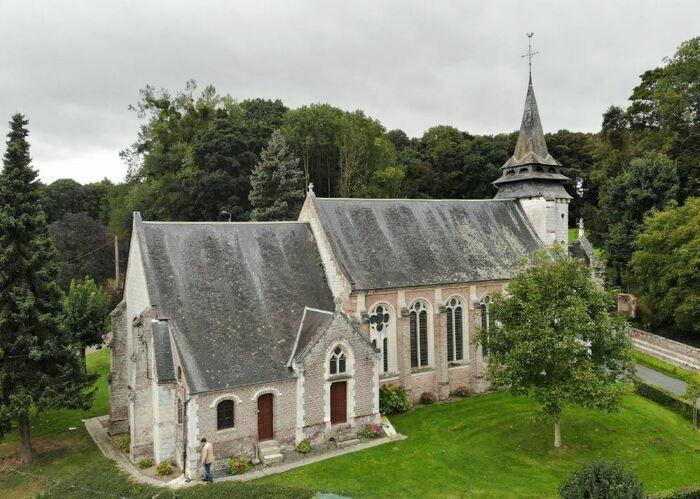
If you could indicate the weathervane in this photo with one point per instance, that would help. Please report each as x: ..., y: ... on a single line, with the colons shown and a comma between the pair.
x: 530, y: 54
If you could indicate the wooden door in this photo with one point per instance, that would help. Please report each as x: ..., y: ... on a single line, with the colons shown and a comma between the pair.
x: 265, y: 417
x: 339, y: 402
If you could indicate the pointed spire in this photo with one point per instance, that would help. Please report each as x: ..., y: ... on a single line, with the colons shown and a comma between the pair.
x: 531, y: 146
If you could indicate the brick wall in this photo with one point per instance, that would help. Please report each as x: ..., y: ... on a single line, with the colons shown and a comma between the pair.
x: 440, y: 377
x: 362, y: 379
x: 243, y: 437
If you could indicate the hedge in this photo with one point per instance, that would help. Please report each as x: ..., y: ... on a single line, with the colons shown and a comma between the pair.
x: 685, y: 493
x: 665, y: 398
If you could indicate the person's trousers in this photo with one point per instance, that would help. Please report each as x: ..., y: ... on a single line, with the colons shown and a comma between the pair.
x: 208, y: 477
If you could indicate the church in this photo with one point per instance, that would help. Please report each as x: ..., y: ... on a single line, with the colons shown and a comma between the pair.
x: 260, y: 335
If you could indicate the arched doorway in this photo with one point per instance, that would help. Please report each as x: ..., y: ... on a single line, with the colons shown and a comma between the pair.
x: 265, y: 417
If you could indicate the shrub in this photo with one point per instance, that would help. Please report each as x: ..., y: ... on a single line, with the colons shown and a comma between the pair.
x: 392, y: 399
x: 165, y: 468
x: 239, y: 465
x: 667, y: 399
x: 601, y: 479
x: 124, y: 443
x: 427, y: 398
x: 145, y: 463
x: 372, y: 431
x: 304, y: 447
x: 461, y: 391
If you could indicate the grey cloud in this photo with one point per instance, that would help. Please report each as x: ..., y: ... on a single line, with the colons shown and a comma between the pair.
x: 74, y: 66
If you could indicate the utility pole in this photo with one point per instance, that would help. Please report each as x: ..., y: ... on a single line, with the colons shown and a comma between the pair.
x: 116, y: 262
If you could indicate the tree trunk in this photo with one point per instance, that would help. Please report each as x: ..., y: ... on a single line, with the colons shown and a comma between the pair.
x: 557, y: 434
x: 26, y: 438
x: 82, y: 359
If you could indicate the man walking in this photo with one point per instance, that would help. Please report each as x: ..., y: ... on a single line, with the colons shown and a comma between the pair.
x: 207, y: 459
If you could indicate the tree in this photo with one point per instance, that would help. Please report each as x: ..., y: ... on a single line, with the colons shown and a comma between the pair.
x: 666, y: 268
x: 649, y: 182
x: 39, y: 368
x: 552, y: 337
x: 692, y: 394
x: 277, y: 182
x: 85, y: 309
x: 85, y: 248
x: 63, y: 196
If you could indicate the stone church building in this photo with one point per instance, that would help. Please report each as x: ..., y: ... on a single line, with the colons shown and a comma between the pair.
x: 259, y: 335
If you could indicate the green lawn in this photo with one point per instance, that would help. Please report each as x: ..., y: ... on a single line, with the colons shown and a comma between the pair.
x: 573, y: 234
x: 486, y: 446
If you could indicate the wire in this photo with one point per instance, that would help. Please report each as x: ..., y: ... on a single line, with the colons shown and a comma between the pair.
x: 109, y: 243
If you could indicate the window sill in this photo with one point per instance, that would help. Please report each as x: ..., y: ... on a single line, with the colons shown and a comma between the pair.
x: 422, y: 370
x: 457, y: 365
x: 389, y: 375
x: 226, y: 430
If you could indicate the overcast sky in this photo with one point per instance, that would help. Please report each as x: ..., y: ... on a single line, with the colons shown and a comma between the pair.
x: 73, y: 67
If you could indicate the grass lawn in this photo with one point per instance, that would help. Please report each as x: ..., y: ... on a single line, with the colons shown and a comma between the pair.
x: 485, y: 446
x: 573, y: 234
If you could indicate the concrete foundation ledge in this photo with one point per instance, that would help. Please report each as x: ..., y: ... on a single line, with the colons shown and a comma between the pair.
x: 98, y: 432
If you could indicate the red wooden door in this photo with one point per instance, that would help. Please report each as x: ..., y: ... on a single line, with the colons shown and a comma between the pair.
x: 339, y: 402
x: 265, y: 414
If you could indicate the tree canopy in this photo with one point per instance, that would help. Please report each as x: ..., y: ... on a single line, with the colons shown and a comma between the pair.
x: 552, y: 337
x: 39, y: 368
x: 666, y: 265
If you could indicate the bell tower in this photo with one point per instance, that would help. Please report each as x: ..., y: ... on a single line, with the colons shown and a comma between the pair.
x: 533, y: 177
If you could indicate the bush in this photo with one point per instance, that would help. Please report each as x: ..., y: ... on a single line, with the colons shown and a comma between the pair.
x: 145, y: 463
x: 372, y: 431
x: 460, y: 391
x: 428, y: 398
x: 664, y: 398
x: 239, y: 465
x: 392, y: 399
x: 602, y: 479
x: 124, y: 443
x: 304, y: 447
x: 165, y: 468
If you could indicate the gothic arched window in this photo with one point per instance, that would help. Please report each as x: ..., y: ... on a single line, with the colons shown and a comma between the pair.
x: 419, y: 334
x: 382, y: 332
x: 338, y: 361
x: 455, y: 330
x: 224, y: 414
x: 485, y: 324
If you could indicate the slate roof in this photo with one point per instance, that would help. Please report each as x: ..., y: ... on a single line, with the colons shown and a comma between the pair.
x: 162, y: 351
x: 390, y: 243
x: 234, y: 294
x: 531, y: 147
x: 312, y: 323
x: 531, y: 171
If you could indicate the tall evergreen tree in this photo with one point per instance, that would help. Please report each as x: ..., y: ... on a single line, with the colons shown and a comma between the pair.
x: 277, y: 182
x: 39, y: 368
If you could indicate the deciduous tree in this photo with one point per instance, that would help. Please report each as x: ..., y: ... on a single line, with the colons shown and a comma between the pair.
x: 552, y: 337
x: 85, y: 309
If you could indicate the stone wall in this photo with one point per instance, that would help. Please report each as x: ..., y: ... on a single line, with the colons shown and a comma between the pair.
x: 118, y: 391
x: 362, y: 382
x: 549, y: 218
x: 337, y: 282
x: 671, y: 351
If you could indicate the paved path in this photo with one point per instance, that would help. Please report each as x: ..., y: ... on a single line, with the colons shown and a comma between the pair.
x: 98, y: 432
x: 656, y: 378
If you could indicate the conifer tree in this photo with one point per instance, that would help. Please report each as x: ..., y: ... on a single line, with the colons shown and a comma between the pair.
x: 277, y: 182
x: 39, y: 368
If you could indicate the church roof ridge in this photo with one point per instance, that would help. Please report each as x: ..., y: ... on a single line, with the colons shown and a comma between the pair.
x: 423, y: 200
